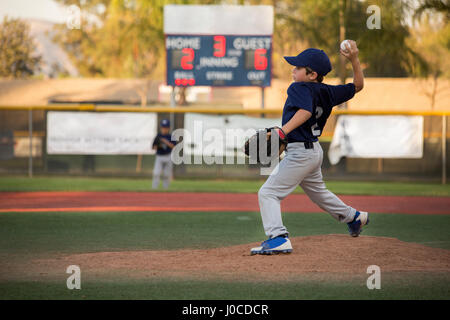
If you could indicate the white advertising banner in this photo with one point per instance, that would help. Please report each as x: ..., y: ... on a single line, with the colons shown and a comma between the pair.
x: 377, y: 137
x: 100, y: 133
x: 211, y: 135
x: 22, y: 146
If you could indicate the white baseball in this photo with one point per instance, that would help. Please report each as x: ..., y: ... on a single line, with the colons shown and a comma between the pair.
x: 345, y: 45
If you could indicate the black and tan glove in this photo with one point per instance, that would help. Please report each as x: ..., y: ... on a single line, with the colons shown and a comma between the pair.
x: 259, y: 146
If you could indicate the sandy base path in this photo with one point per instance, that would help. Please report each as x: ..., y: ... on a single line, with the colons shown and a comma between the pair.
x: 201, y: 201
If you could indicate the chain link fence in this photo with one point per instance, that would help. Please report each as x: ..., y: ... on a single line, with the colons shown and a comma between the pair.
x: 15, y: 150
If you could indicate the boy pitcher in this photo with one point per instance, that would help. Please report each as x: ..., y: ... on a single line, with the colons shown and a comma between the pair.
x: 307, y: 108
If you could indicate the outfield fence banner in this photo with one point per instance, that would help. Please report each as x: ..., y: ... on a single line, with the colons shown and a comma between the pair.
x: 22, y: 147
x: 377, y: 137
x: 215, y: 135
x: 106, y: 133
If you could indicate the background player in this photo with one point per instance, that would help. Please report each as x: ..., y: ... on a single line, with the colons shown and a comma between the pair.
x: 305, y: 113
x: 163, y: 164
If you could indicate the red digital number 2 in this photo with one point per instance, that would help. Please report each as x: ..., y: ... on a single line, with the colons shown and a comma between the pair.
x: 260, y: 59
x: 186, y: 60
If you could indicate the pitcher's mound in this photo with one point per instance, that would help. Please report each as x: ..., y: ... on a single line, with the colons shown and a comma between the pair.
x: 314, y: 254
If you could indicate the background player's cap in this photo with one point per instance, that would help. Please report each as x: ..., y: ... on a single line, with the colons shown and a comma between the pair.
x: 316, y: 59
x: 165, y: 123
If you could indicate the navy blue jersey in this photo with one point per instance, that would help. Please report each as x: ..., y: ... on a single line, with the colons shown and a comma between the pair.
x: 317, y: 98
x: 162, y: 148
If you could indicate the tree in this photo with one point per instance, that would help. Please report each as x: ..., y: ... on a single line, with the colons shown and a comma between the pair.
x: 438, y: 6
x: 17, y: 50
x: 431, y: 38
x: 127, y: 41
x: 316, y: 23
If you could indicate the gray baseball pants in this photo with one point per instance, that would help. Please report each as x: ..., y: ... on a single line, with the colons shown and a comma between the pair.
x: 163, y: 167
x: 300, y: 166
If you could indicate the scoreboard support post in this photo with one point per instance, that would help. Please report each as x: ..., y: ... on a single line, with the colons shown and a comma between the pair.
x: 173, y: 105
x: 262, y: 101
x: 172, y: 97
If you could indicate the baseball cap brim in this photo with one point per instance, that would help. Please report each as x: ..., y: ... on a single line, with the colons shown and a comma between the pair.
x: 295, y: 61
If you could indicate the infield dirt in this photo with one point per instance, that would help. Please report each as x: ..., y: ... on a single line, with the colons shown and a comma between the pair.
x: 338, y: 255
x: 61, y: 201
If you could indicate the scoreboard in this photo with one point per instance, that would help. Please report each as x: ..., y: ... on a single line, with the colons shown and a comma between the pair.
x: 218, y: 60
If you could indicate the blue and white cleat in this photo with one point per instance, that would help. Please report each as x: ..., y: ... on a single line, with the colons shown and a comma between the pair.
x: 361, y: 219
x: 276, y: 245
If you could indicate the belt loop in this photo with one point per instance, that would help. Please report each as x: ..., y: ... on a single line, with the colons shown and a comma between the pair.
x: 308, y: 145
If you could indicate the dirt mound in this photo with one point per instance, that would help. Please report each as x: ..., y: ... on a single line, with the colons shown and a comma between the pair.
x: 314, y: 254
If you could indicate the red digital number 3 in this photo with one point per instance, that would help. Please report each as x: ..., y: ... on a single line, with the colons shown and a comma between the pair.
x: 186, y: 60
x: 219, y: 46
x: 260, y: 59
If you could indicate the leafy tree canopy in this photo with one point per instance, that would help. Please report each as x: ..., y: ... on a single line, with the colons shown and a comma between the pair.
x: 18, y: 57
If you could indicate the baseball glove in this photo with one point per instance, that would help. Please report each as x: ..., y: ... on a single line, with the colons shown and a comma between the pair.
x: 157, y: 142
x: 259, y: 146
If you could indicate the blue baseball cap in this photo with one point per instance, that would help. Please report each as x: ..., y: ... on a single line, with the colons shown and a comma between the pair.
x: 316, y: 59
x: 165, y: 123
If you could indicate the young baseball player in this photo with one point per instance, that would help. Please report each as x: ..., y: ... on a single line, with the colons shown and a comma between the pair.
x: 163, y: 164
x: 307, y: 108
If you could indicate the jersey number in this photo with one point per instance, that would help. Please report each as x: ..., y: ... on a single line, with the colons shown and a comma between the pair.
x: 315, y: 127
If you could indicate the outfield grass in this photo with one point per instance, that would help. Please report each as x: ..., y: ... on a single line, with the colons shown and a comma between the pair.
x: 247, y: 186
x: 70, y: 232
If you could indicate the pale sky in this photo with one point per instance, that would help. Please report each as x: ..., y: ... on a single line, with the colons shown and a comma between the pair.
x: 38, y: 9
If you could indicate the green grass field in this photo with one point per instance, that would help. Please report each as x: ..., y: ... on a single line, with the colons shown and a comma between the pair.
x: 423, y: 287
x: 69, y: 232
x: 26, y: 236
x: 246, y: 186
